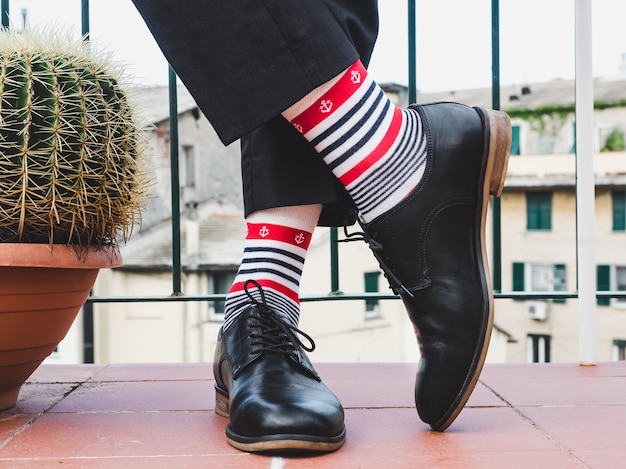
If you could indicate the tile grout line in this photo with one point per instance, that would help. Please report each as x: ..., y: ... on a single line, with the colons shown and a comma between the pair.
x: 537, y: 427
x: 22, y: 428
x: 61, y: 459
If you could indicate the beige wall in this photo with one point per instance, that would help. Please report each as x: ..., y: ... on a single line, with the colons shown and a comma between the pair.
x: 340, y: 328
x: 158, y: 332
x: 182, y: 331
x: 558, y: 246
x: 152, y: 332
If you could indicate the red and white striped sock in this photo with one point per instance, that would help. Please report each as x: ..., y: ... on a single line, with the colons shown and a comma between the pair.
x: 376, y: 150
x: 274, y: 254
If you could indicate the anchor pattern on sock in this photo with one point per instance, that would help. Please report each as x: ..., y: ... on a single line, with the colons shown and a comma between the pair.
x: 376, y: 150
x: 273, y: 256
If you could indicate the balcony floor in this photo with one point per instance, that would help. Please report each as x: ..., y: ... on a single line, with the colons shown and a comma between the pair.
x: 161, y: 416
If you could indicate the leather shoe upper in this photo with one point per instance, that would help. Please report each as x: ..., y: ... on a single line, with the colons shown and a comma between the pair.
x: 273, y: 390
x: 430, y: 247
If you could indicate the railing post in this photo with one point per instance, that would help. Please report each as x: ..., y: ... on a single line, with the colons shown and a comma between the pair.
x: 175, y: 185
x: 412, y: 31
x: 334, y: 262
x: 496, y: 207
x: 585, y: 185
x: 6, y: 20
x: 84, y: 16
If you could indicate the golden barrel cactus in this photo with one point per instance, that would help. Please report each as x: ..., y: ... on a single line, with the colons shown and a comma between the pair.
x: 70, y: 146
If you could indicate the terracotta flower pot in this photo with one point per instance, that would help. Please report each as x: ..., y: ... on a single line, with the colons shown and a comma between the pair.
x: 41, y: 292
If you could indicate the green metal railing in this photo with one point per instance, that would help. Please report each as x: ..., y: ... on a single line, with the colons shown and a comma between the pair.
x: 583, y: 27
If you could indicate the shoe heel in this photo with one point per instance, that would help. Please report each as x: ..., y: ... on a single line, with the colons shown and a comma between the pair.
x: 221, y: 404
x: 499, y: 149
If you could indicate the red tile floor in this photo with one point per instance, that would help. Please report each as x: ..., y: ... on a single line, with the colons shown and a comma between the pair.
x: 161, y: 416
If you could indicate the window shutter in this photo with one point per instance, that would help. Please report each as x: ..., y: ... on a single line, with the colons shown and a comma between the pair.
x: 515, y: 140
x: 532, y: 216
x: 559, y: 280
x: 371, y: 285
x: 518, y: 276
x: 603, y: 277
x: 539, y: 210
x: 619, y: 211
x: 546, y: 211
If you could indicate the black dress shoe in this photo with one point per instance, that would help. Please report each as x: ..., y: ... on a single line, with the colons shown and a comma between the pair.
x: 431, y: 247
x: 268, y: 388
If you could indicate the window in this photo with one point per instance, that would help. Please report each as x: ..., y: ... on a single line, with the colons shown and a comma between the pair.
x: 544, y: 277
x: 219, y: 282
x: 619, y: 349
x: 609, y: 138
x: 539, y: 210
x: 188, y: 167
x: 603, y: 281
x: 611, y: 278
x: 515, y: 140
x: 614, y: 141
x: 538, y: 350
x: 619, y: 210
x: 539, y: 278
x: 371, y: 286
x: 545, y: 145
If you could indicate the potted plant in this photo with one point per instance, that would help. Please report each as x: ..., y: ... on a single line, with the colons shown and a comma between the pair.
x: 71, y: 185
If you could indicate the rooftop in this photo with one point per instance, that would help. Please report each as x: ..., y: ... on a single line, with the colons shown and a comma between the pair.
x: 161, y: 416
x: 531, y: 96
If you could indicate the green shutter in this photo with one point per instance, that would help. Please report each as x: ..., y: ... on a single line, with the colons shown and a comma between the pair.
x: 619, y: 211
x: 603, y: 279
x: 515, y: 140
x: 559, y: 281
x: 539, y: 210
x: 532, y: 219
x: 546, y: 211
x: 371, y: 285
x: 518, y: 276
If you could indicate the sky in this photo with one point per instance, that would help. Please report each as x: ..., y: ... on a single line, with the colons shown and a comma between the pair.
x: 453, y: 39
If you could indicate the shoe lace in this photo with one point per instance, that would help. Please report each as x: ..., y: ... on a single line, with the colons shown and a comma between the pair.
x: 376, y: 247
x: 270, y: 332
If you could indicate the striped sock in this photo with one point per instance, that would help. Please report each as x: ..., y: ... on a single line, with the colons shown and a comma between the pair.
x: 274, y: 253
x: 375, y: 149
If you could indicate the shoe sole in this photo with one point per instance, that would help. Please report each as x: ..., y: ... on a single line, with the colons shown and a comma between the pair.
x: 275, y: 443
x: 497, y: 127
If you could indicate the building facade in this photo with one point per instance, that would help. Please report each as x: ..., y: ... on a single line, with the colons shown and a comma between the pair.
x: 538, y: 246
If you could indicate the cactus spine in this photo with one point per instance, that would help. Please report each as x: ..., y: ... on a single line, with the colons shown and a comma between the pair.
x: 70, y: 149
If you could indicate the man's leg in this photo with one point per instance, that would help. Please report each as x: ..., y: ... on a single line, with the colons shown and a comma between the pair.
x: 275, y: 401
x: 421, y: 178
x: 265, y: 383
x: 284, y: 179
